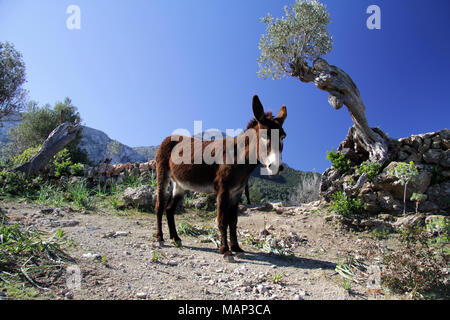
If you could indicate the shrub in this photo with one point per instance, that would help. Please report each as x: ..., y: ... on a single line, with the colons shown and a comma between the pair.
x: 339, y: 161
x: 372, y: 169
x: 64, y: 165
x: 405, y: 173
x: 25, y: 156
x: 307, y: 191
x: 13, y: 183
x: 345, y: 206
x: 415, y: 267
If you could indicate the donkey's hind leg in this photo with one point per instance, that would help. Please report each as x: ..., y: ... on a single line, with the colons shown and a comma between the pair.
x: 177, y: 196
x: 161, y: 198
x: 232, y: 224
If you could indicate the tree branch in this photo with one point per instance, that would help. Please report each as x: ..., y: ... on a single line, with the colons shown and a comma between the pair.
x: 56, y: 141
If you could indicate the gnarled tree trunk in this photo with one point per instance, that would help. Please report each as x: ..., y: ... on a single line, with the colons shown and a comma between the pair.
x: 343, y: 91
x: 56, y: 141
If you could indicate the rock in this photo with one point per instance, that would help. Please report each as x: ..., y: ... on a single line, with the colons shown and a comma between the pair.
x: 445, y: 160
x: 120, y: 234
x: 391, y: 185
x: 298, y: 297
x: 141, y: 295
x: 409, y: 221
x: 64, y: 223
x: 172, y: 263
x: 205, y: 203
x: 69, y: 295
x: 140, y: 196
x: 433, y: 156
x: 387, y: 202
x: 47, y: 210
x: 94, y: 256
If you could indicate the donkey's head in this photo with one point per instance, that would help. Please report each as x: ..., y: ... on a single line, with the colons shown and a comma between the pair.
x: 270, y: 135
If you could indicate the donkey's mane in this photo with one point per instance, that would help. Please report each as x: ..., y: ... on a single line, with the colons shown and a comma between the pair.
x: 253, y: 122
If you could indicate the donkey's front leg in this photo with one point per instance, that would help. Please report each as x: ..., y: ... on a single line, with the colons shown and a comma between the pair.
x: 223, y: 199
x: 232, y: 222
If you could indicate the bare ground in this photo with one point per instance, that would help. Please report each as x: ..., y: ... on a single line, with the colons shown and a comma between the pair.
x: 126, y: 262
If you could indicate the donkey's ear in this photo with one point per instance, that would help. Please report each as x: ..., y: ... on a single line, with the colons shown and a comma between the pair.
x: 282, y: 115
x: 258, y: 109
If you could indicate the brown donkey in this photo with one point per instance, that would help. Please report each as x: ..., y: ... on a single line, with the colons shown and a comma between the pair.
x: 226, y: 177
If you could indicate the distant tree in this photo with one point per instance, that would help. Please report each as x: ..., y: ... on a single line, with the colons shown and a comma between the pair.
x: 12, y: 78
x: 301, y: 37
x: 38, y: 122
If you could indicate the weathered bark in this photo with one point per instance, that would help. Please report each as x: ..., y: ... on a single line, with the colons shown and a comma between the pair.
x: 343, y: 91
x: 56, y: 141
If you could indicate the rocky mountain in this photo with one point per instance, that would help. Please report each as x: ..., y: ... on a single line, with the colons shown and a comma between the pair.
x: 96, y: 143
x: 99, y: 147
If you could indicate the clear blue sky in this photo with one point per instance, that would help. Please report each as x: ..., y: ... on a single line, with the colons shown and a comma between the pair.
x: 140, y: 69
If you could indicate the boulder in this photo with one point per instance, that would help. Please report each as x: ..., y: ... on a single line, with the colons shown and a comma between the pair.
x: 205, y: 203
x: 390, y: 184
x: 409, y: 221
x: 142, y: 196
x: 433, y: 156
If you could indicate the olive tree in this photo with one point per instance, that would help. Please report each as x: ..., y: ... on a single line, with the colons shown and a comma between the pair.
x: 12, y: 78
x: 294, y: 46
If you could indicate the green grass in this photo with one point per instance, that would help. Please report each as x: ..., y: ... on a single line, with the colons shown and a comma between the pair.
x: 28, y: 255
x: 80, y: 194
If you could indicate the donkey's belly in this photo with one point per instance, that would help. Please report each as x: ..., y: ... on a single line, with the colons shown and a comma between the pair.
x: 201, y: 188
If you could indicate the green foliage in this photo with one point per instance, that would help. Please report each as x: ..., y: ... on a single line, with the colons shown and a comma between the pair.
x: 344, y: 206
x: 50, y: 195
x: 13, y: 183
x: 339, y: 161
x: 12, y: 78
x: 404, y: 172
x: 25, y: 156
x: 64, y: 165
x: 38, y: 122
x: 25, y: 254
x: 80, y: 194
x: 298, y: 37
x: 441, y: 226
x: 281, y: 188
x: 416, y: 267
x: 372, y: 169
x: 188, y: 229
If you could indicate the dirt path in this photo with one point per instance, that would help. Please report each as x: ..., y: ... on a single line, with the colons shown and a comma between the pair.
x: 116, y: 257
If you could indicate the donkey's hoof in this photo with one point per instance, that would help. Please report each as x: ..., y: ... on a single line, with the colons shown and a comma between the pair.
x: 177, y: 243
x: 228, y: 256
x: 240, y: 255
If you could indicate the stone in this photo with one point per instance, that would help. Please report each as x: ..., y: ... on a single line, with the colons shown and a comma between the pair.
x: 64, y: 224
x: 445, y: 160
x: 387, y: 202
x: 141, y: 295
x: 433, y: 156
x: 94, y: 256
x: 410, y: 221
x: 204, y: 203
x: 142, y: 196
